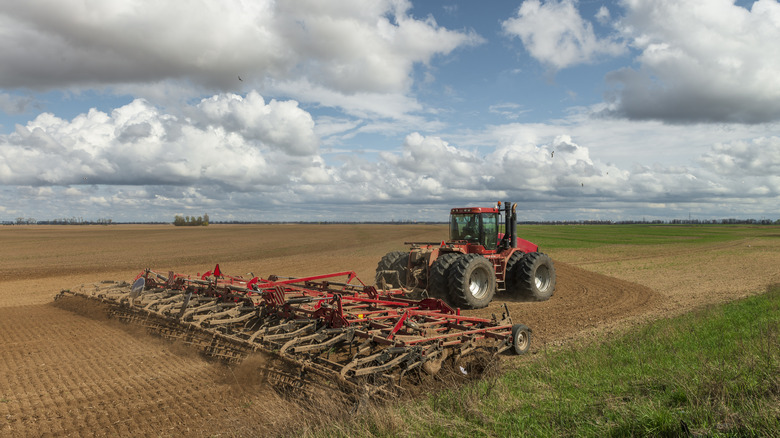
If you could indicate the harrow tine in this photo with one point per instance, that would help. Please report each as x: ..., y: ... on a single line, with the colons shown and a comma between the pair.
x: 184, y: 305
x: 314, y: 347
x: 399, y: 358
x: 292, y: 334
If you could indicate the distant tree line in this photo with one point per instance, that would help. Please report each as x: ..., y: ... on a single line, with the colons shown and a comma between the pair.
x: 59, y: 221
x: 76, y: 221
x: 191, y: 221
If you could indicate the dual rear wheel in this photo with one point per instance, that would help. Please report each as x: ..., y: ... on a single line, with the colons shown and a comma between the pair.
x: 471, y: 279
x: 530, y: 276
x: 468, y: 281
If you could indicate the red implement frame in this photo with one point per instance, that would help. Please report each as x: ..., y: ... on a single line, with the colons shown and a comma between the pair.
x: 331, y: 324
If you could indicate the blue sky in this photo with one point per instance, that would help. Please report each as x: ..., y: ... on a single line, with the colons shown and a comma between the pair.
x: 389, y: 110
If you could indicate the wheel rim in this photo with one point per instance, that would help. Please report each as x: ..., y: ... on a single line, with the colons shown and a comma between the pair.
x: 521, y: 340
x: 542, y: 278
x: 478, y: 284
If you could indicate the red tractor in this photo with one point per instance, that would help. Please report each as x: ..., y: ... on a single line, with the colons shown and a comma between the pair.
x: 477, y: 260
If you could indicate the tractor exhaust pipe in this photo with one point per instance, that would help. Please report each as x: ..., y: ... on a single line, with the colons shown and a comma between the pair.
x: 510, y: 224
x: 513, y: 222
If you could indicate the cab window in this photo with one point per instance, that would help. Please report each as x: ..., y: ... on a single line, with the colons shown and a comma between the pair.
x: 464, y: 227
x: 475, y: 228
x: 489, y: 238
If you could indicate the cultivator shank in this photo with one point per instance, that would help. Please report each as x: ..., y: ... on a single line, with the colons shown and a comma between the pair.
x: 319, y: 330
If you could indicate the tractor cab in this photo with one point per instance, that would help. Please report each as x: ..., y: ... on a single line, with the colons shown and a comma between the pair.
x: 476, y: 226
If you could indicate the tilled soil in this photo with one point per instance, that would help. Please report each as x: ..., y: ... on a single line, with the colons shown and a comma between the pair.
x: 74, y: 373
x: 582, y: 301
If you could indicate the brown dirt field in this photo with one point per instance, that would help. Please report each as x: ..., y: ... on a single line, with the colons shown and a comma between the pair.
x: 65, y: 373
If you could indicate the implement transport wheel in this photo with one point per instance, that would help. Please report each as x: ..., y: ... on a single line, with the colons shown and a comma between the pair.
x: 521, y: 338
x: 535, y: 277
x: 472, y: 282
x: 391, y: 269
x: 439, y: 273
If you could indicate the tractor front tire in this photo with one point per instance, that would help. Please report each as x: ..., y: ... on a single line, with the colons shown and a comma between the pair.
x: 472, y: 282
x: 534, y: 277
x: 391, y: 270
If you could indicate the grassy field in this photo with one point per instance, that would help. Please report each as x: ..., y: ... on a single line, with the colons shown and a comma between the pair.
x: 594, y: 236
x: 713, y: 372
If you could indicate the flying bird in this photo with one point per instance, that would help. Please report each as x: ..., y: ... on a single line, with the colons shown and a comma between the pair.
x: 239, y: 78
x: 552, y: 154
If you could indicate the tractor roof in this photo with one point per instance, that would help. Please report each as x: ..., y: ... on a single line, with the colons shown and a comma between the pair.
x: 471, y: 210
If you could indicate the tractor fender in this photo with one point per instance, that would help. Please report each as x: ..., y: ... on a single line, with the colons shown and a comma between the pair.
x: 526, y: 246
x: 522, y: 244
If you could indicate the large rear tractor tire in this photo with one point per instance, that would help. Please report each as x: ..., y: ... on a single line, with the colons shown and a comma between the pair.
x: 511, y: 276
x: 439, y: 274
x: 391, y: 269
x: 472, y: 282
x: 534, y: 277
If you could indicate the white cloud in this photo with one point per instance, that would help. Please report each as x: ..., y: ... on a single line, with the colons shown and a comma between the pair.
x: 228, y: 140
x: 280, y: 125
x: 359, y: 104
x: 354, y: 46
x: 700, y: 60
x: 603, y: 16
x: 511, y: 111
x: 759, y: 157
x: 554, y: 33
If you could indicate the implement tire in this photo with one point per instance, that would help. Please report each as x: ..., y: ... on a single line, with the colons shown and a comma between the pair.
x: 472, y: 282
x: 439, y: 274
x: 534, y: 277
x: 521, y: 338
x: 391, y: 269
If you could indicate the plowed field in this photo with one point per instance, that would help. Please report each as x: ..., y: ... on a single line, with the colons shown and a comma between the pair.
x: 65, y: 373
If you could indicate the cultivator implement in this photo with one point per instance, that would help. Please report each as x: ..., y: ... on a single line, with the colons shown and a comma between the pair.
x: 329, y: 331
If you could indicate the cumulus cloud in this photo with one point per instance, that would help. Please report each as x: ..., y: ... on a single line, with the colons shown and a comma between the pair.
x: 348, y: 46
x: 280, y: 125
x: 230, y: 140
x: 700, y: 61
x: 758, y: 157
x: 555, y: 33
